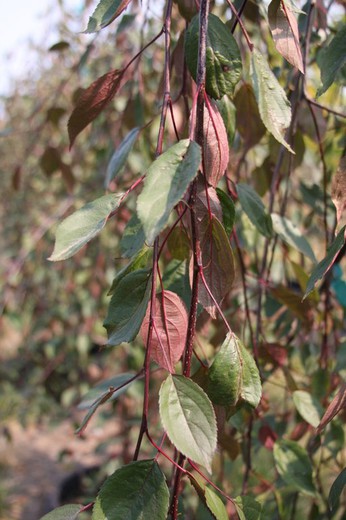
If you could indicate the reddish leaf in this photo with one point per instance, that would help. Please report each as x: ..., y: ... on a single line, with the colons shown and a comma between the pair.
x: 339, y: 192
x: 337, y: 404
x: 170, y: 328
x: 284, y: 28
x: 267, y: 436
x: 215, y: 144
x: 218, y: 264
x: 207, y: 199
x: 274, y: 352
x: 92, y: 101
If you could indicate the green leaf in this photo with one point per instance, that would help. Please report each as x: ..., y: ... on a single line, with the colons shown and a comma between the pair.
x: 223, y: 60
x: 209, y: 498
x: 105, y: 13
x: 292, y: 235
x: 336, y: 489
x: 179, y: 244
x: 83, y: 225
x: 331, y: 59
x: 249, y: 122
x: 274, y: 107
x: 254, y: 208
x: 133, y: 238
x: 136, y: 491
x: 294, y: 466
x: 228, y: 210
x: 324, y: 265
x: 119, y: 157
x: 189, y: 419
x: 67, y: 512
x: 106, y: 396
x: 308, y: 407
x: 176, y: 279
x: 128, y: 306
x: 228, y: 114
x: 166, y: 182
x: 247, y: 508
x: 234, y: 375
x: 138, y: 262
x: 101, y: 388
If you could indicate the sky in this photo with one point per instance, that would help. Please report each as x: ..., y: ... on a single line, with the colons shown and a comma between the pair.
x: 22, y: 21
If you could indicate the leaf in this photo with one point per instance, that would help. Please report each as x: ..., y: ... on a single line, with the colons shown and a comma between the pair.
x: 207, y: 200
x: 284, y: 28
x: 215, y: 144
x: 223, y: 60
x: 105, y: 13
x: 336, y: 490
x: 101, y: 388
x: 59, y: 46
x: 93, y: 101
x: 294, y: 466
x: 324, y: 265
x: 93, y: 408
x: 217, y: 262
x: 331, y: 60
x: 336, y: 405
x: 228, y: 210
x: 67, y: 512
x: 166, y: 182
x: 139, y: 261
x: 179, y: 244
x: 169, y: 334
x: 247, y: 508
x: 274, y: 107
x: 254, y: 208
x: 189, y: 419
x: 137, y: 490
x: 292, y: 235
x: 307, y: 406
x: 176, y: 279
x: 293, y: 301
x: 79, y: 228
x: 128, y: 306
x: 133, y: 238
x: 119, y: 157
x: 228, y: 113
x: 209, y: 498
x: 248, y: 119
x: 234, y: 375
x: 338, y: 191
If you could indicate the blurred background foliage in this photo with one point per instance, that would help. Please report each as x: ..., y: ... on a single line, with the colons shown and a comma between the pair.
x: 51, y: 335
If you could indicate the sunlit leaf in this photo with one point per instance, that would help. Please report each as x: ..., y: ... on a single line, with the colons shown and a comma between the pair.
x: 324, y: 265
x: 274, y: 107
x: 223, y: 60
x: 253, y: 206
x: 169, y: 333
x: 83, y: 225
x: 93, y: 101
x: 105, y: 13
x: 119, y: 157
x: 234, y: 376
x: 294, y: 466
x: 284, y: 28
x: 189, y: 419
x: 128, y: 306
x: 135, y: 491
x: 209, y: 498
x: 332, y: 59
x: 167, y: 180
x: 67, y: 512
x: 292, y: 235
x: 308, y: 407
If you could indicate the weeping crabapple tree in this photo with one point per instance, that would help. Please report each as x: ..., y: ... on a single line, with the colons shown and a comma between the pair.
x: 209, y: 245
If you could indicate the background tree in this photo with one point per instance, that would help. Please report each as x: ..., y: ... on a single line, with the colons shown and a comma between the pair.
x: 219, y: 195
